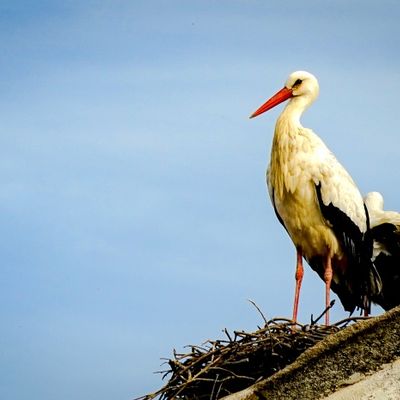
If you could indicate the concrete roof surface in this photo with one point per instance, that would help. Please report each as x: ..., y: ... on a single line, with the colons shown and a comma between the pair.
x: 343, y: 362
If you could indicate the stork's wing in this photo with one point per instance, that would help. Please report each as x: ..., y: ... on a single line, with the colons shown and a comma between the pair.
x: 349, y: 233
x: 342, y: 206
x: 387, y: 261
x: 385, y: 233
x: 387, y: 238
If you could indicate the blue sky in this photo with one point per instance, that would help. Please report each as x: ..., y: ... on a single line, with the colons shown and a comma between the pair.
x: 134, y: 213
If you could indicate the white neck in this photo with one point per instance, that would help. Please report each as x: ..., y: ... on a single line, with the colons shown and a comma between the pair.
x: 294, y: 110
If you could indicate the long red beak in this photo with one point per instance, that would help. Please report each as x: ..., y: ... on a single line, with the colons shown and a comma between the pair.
x: 276, y: 99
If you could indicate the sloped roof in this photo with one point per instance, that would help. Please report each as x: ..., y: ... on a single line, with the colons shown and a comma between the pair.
x: 321, y: 370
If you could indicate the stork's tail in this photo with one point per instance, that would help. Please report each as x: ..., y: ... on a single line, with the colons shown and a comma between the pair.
x: 370, y: 283
x: 373, y: 286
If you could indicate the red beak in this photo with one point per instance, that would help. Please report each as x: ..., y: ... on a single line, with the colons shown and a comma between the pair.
x: 276, y: 99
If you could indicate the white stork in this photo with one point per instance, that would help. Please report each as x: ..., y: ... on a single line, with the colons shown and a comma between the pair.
x: 318, y: 203
x: 385, y: 233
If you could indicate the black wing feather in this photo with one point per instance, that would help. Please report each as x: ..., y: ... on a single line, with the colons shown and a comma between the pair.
x: 361, y: 278
x: 387, y: 264
x: 347, y: 232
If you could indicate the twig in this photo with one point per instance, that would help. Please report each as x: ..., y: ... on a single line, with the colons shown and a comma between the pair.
x: 323, y: 313
x: 258, y: 309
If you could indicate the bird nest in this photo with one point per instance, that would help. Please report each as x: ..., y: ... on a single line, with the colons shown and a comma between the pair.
x: 221, y: 367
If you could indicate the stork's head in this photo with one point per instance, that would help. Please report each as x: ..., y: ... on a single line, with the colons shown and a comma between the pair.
x: 301, y: 86
x: 302, y: 83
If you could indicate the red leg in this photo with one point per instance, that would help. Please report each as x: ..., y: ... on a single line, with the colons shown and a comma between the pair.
x: 328, y: 279
x: 299, y: 277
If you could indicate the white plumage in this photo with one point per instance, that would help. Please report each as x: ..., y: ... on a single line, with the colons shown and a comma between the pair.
x: 378, y: 216
x: 318, y: 202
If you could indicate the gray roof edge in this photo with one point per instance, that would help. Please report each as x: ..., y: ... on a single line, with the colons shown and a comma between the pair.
x: 362, y: 347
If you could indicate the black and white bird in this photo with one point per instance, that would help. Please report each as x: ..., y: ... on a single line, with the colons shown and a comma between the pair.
x: 385, y: 233
x: 318, y: 203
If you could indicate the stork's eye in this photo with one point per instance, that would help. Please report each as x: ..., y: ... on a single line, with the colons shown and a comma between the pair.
x: 298, y: 82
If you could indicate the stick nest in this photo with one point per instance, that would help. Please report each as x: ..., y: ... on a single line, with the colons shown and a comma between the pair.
x: 221, y: 367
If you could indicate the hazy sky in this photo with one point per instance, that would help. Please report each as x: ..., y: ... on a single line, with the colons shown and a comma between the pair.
x: 134, y: 213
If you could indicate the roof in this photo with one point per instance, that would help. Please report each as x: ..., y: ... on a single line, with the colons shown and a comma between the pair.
x: 359, y: 349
